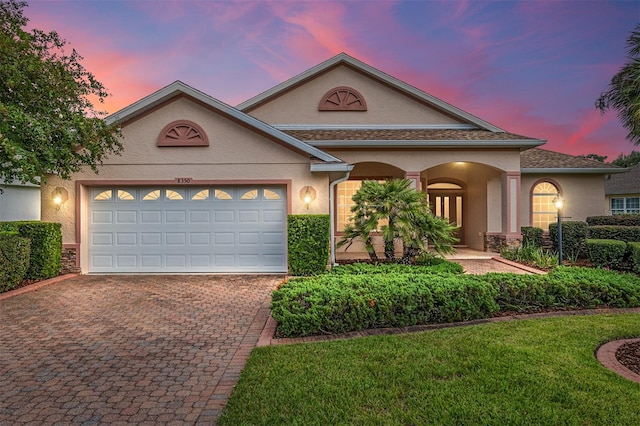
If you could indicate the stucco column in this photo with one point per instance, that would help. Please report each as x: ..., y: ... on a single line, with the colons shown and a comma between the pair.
x: 511, y: 205
x: 415, y: 178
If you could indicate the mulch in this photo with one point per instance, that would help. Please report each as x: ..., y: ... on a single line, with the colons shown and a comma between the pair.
x: 629, y: 356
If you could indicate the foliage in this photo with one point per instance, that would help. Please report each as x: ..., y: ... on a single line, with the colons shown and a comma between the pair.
x: 532, y: 236
x: 341, y: 303
x: 574, y: 234
x: 620, y: 233
x: 634, y: 256
x: 46, y: 248
x: 436, y: 265
x: 532, y: 255
x: 623, y: 95
x: 627, y: 160
x: 606, y: 253
x: 404, y: 215
x: 534, y: 372
x: 565, y: 288
x: 596, y: 157
x: 14, y: 259
x: 308, y: 237
x: 616, y: 220
x: 48, y: 123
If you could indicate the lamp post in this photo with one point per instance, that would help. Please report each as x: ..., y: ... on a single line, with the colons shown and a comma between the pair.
x: 559, y: 203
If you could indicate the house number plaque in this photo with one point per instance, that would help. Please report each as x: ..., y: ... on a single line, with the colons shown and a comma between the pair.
x: 183, y: 180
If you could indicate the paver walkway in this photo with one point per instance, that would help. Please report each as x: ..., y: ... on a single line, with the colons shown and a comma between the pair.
x: 128, y: 349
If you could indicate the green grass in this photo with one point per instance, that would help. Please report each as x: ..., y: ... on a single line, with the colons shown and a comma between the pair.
x: 510, y: 373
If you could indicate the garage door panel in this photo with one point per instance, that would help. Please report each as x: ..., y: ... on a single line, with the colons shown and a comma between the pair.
x: 200, y: 229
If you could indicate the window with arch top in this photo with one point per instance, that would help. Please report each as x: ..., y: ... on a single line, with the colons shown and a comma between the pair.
x: 342, y: 99
x: 543, y: 210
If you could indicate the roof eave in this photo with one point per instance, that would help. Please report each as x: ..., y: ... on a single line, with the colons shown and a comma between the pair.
x: 391, y: 144
x: 571, y: 170
x: 331, y: 167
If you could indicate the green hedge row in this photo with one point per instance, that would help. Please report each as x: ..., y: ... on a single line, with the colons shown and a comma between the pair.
x: 606, y: 253
x: 308, y: 241
x: 634, y: 256
x: 46, y: 246
x: 610, y: 232
x: 615, y: 220
x: 14, y: 259
x: 531, y: 236
x: 342, y: 303
x: 436, y: 266
x: 334, y: 303
x: 574, y: 234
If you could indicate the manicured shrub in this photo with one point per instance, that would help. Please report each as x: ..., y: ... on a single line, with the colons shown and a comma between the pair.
x: 606, y: 253
x: 14, y: 259
x: 634, y: 256
x: 610, y: 232
x: 46, y: 248
x: 341, y: 303
x: 9, y: 226
x: 574, y: 234
x: 438, y: 265
x: 615, y: 220
x: 531, y: 236
x: 308, y: 240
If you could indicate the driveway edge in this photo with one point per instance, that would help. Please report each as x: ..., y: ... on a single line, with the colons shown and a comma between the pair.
x: 36, y: 286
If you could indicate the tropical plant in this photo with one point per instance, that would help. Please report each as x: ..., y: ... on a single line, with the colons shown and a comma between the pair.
x: 400, y: 213
x: 623, y: 95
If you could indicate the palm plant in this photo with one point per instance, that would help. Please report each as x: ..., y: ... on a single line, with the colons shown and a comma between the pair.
x: 399, y: 213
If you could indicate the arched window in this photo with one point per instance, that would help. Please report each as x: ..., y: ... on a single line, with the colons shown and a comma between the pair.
x: 543, y: 210
x: 182, y: 133
x: 342, y: 99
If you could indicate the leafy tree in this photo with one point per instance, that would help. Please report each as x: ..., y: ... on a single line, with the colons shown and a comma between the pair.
x: 600, y: 158
x: 623, y: 95
x: 627, y: 160
x: 48, y: 123
x: 400, y: 213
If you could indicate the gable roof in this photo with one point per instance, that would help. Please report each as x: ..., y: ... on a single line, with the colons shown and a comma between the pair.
x: 397, y: 138
x: 538, y: 160
x: 349, y: 61
x: 624, y: 183
x: 179, y: 88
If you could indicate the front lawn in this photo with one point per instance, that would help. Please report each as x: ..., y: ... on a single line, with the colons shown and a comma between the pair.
x: 518, y: 372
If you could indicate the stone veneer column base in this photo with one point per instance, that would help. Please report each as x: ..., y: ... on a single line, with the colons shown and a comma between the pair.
x: 496, y: 242
x: 69, y: 261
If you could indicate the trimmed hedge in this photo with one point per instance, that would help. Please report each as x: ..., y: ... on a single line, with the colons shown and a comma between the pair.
x: 532, y: 236
x: 615, y: 220
x: 609, y: 232
x: 14, y: 259
x: 574, y: 234
x: 634, y: 256
x: 606, y: 253
x: 46, y: 248
x: 437, y: 266
x: 308, y: 244
x: 342, y: 303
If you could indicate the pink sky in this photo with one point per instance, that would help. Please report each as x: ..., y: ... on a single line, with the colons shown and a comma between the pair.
x: 530, y: 67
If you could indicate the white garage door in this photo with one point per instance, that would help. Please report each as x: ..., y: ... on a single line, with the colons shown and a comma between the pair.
x: 178, y: 229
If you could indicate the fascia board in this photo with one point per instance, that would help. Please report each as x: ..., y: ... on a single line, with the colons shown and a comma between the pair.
x: 368, y: 69
x: 575, y: 170
x: 391, y: 144
x: 375, y: 126
x: 179, y: 87
x: 331, y: 167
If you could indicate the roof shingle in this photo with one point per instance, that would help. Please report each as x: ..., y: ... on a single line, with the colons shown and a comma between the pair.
x: 537, y: 158
x: 405, y: 135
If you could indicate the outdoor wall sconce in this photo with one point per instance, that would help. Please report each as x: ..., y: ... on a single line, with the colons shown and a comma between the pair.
x: 307, y: 195
x: 60, y: 196
x: 558, y: 202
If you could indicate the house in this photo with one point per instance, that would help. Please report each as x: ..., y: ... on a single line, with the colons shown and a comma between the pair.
x: 202, y: 186
x: 19, y: 201
x: 623, y: 192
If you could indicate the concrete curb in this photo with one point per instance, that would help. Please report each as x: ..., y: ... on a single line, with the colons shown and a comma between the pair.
x: 518, y: 265
x: 36, y: 286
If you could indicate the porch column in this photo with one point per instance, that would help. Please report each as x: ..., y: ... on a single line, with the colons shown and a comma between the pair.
x: 511, y: 205
x: 415, y: 178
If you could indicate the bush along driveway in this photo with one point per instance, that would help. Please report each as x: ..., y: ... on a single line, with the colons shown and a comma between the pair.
x: 128, y: 349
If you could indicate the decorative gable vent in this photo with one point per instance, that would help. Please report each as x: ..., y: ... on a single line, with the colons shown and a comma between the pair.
x: 182, y: 133
x: 342, y: 99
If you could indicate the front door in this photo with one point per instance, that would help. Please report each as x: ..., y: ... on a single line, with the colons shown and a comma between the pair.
x: 449, y: 205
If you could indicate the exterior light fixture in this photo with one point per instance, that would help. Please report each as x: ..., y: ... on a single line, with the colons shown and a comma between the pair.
x: 558, y: 202
x: 307, y: 195
x: 59, y: 197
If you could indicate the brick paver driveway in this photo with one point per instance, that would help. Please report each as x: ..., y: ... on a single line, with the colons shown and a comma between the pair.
x: 128, y: 349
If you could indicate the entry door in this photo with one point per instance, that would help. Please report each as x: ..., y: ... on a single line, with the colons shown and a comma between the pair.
x: 449, y: 206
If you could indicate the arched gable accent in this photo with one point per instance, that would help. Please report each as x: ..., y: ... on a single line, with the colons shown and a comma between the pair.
x: 182, y: 133
x: 342, y: 98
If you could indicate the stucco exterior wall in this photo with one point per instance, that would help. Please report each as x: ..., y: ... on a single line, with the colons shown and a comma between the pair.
x: 19, y: 202
x: 384, y: 105
x: 583, y: 195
